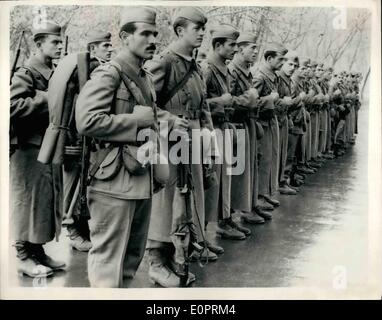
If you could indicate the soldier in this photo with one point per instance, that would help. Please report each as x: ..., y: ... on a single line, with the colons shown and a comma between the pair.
x: 322, y: 112
x: 113, y: 106
x: 35, y: 219
x: 301, y: 125
x: 323, y: 76
x: 316, y: 103
x: 351, y: 118
x: 245, y: 187
x: 174, y: 64
x: 63, y: 90
x: 99, y: 45
x: 218, y: 81
x: 201, y: 56
x: 266, y: 83
x: 100, y: 48
x: 288, y: 104
x: 337, y: 91
x: 328, y: 153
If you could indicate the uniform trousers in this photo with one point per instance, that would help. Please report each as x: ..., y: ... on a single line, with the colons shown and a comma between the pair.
x: 118, y: 232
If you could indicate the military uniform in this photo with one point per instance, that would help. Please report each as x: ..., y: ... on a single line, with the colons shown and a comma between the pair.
x: 266, y: 83
x: 119, y: 200
x: 69, y: 147
x: 219, y: 198
x: 315, y: 104
x: 168, y: 69
x: 245, y: 187
x: 287, y: 110
x: 35, y: 219
x: 324, y: 123
x: 301, y: 126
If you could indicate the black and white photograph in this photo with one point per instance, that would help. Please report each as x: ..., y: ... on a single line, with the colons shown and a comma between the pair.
x: 230, y: 150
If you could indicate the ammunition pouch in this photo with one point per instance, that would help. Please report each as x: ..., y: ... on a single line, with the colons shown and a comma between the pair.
x: 109, y: 167
x: 130, y: 161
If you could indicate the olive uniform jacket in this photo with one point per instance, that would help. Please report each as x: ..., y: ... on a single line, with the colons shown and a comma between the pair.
x: 104, y: 111
x: 169, y: 68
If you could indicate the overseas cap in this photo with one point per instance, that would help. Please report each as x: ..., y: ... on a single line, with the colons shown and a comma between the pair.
x: 313, y: 64
x: 225, y: 31
x: 275, y: 47
x: 320, y: 64
x: 137, y: 14
x: 194, y: 14
x: 246, y: 37
x: 305, y: 62
x: 46, y: 27
x: 98, y: 36
x: 293, y: 56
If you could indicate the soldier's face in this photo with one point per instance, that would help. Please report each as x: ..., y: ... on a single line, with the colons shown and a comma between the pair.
x: 103, y: 50
x: 249, y: 52
x: 192, y: 34
x: 201, y: 57
x: 319, y: 71
x: 302, y: 71
x: 51, y: 46
x: 142, y: 41
x: 276, y: 62
x: 288, y: 67
x: 328, y: 74
x: 227, y: 50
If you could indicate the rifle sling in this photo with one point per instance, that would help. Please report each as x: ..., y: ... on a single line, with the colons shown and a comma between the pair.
x: 101, y: 157
x: 83, y: 60
x: 128, y: 73
x: 163, y: 99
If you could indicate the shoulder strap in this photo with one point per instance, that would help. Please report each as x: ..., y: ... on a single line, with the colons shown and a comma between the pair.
x: 33, y: 72
x: 215, y: 72
x: 146, y: 93
x: 83, y: 61
x: 128, y: 73
x: 164, y: 98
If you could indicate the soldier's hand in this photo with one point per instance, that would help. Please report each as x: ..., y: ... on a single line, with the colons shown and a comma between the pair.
x: 145, y: 116
x: 311, y: 92
x: 253, y: 93
x: 337, y: 92
x: 180, y: 124
x: 43, y: 95
x: 274, y: 95
x: 227, y: 99
x: 333, y: 81
x: 302, y: 95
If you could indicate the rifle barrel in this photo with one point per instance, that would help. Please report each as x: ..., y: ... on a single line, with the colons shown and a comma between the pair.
x: 17, y: 55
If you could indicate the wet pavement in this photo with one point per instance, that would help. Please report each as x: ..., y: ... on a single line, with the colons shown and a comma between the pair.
x: 315, y: 235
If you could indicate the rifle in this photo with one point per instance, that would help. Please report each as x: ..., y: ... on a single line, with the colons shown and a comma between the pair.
x: 83, y: 76
x: 186, y: 188
x: 18, y: 50
x: 83, y: 66
x: 65, y: 53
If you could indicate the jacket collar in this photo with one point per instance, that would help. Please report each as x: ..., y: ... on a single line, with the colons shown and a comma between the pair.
x: 41, y: 67
x: 124, y: 61
x: 174, y: 47
x: 266, y: 70
x: 237, y: 66
x: 223, y: 69
x: 283, y: 76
